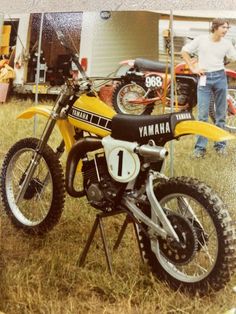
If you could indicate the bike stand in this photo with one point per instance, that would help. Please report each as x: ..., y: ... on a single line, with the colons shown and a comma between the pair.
x: 99, y: 222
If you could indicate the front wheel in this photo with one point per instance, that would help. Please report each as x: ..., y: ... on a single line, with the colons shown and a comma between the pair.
x: 204, y: 257
x: 128, y: 91
x: 42, y: 203
x: 230, y: 123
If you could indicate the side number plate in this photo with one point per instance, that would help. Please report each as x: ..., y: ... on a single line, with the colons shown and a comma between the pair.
x: 153, y: 81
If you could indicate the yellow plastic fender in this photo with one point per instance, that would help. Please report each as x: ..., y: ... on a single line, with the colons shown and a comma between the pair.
x: 66, y: 129
x: 205, y: 129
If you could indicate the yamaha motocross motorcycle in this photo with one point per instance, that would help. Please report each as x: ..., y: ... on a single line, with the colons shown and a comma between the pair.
x: 145, y: 83
x: 185, y: 230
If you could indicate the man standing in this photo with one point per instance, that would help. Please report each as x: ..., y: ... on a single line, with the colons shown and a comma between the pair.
x: 211, y: 50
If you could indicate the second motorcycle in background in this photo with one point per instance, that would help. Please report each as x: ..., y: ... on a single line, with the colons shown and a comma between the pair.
x: 146, y: 84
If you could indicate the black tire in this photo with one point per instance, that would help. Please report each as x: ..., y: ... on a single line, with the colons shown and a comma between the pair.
x: 125, y: 91
x: 46, y: 188
x: 169, y: 267
x: 230, y: 124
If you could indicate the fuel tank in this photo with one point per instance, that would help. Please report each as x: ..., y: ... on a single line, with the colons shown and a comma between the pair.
x: 91, y: 114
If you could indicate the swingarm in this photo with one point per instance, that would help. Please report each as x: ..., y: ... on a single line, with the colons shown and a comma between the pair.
x: 157, y: 213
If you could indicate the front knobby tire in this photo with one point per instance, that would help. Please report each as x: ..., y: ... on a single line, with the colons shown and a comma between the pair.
x: 42, y: 205
x: 126, y: 91
x: 213, y: 259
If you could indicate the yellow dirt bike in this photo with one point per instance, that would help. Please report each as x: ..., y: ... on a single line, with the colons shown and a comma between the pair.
x: 185, y: 230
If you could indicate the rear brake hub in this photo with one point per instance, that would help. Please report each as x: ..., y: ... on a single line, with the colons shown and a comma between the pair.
x: 180, y: 253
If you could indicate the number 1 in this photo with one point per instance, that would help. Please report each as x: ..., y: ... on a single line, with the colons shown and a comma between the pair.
x: 120, y: 154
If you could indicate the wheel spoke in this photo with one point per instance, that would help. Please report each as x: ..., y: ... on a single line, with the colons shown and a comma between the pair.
x: 197, y: 266
x: 44, y: 209
x: 129, y: 92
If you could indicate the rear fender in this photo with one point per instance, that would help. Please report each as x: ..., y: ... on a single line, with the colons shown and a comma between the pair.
x: 66, y: 129
x: 127, y: 62
x: 205, y: 129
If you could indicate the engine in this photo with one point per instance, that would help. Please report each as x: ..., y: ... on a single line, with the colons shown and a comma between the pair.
x: 101, y: 190
x: 183, y: 93
x: 186, y: 90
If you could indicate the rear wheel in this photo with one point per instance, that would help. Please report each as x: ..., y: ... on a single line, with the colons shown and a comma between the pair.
x: 127, y: 91
x: 42, y: 203
x: 230, y: 123
x: 203, y: 258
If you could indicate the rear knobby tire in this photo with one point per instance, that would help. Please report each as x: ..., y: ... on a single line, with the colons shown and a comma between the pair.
x: 51, y: 193
x: 125, y: 91
x: 219, y: 273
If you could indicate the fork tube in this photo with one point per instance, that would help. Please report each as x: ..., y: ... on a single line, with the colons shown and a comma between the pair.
x: 42, y: 143
x: 51, y: 121
x: 60, y: 150
x: 33, y: 164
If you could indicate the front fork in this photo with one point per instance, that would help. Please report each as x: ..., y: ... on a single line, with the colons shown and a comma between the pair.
x: 42, y: 143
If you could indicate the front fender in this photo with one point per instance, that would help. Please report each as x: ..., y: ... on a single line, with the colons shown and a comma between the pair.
x: 205, y: 129
x: 66, y: 129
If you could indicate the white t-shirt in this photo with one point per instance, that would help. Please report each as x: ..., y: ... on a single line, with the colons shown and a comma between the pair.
x: 211, y: 53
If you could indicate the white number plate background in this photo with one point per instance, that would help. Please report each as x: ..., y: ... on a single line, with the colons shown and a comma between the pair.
x: 153, y: 81
x: 122, y: 164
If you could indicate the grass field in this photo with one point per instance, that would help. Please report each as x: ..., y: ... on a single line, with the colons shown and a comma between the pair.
x: 41, y: 274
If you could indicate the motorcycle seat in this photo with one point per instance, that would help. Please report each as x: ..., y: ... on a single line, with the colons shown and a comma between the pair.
x: 149, y: 65
x: 141, y: 129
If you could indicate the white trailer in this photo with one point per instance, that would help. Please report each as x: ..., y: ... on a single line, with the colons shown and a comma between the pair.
x: 102, y: 39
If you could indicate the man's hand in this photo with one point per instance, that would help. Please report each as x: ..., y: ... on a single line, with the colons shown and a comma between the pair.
x: 192, y: 63
x: 196, y: 70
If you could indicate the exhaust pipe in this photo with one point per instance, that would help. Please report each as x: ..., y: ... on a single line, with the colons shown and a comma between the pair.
x: 78, y: 151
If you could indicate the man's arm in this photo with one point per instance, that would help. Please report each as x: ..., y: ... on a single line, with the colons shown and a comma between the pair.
x: 192, y: 65
x: 231, y: 53
x: 191, y: 47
